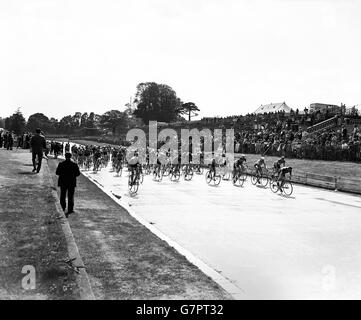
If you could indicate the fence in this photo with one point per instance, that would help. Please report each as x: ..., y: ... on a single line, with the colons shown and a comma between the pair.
x: 329, y: 123
x: 328, y: 182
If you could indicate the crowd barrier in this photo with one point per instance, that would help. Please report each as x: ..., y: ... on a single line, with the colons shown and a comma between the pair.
x: 328, y: 182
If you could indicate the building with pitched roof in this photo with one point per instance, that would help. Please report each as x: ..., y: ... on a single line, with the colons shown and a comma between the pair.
x: 273, y: 107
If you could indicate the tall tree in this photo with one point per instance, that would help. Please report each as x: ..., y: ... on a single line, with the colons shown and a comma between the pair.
x: 84, y: 119
x: 189, y: 109
x: 156, y: 102
x: 38, y: 120
x: 113, y: 120
x: 17, y: 122
x: 66, y: 124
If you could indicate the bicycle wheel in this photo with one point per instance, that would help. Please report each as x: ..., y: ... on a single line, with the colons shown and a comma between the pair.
x: 226, y: 176
x: 236, y: 180
x: 264, y: 181
x: 242, y: 178
x: 254, y: 179
x: 119, y: 171
x: 175, y: 176
x: 274, y: 186
x: 199, y: 170
x: 208, y: 177
x: 166, y: 171
x: 134, y: 187
x: 217, y: 179
x: 188, y: 175
x: 287, y: 188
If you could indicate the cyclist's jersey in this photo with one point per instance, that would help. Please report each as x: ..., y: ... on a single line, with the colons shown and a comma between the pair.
x: 238, y: 163
x: 259, y: 163
x: 277, y: 164
x: 134, y: 161
x: 284, y: 170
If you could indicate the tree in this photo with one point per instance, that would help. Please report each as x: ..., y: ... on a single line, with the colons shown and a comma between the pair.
x: 54, y: 125
x: 66, y: 124
x: 16, y: 122
x: 189, y: 109
x: 38, y: 120
x: 83, y: 120
x: 77, y: 119
x: 113, y: 120
x: 156, y: 102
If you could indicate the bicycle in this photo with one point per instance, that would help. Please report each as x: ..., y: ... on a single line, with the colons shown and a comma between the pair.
x: 239, y: 178
x: 119, y: 168
x: 174, y: 173
x: 260, y: 178
x: 134, y: 181
x: 284, y: 186
x: 188, y: 173
x: 158, y: 173
x: 198, y: 169
x: 213, y: 178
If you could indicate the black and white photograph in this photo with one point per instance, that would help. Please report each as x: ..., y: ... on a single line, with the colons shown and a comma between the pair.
x: 198, y: 151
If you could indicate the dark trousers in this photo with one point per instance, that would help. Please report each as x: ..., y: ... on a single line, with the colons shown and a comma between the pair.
x: 64, y: 190
x: 40, y: 157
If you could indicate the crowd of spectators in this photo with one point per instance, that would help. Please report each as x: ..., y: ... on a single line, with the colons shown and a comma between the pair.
x: 288, y: 136
x: 10, y: 140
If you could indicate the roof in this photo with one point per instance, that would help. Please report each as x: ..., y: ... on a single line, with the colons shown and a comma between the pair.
x: 273, y: 107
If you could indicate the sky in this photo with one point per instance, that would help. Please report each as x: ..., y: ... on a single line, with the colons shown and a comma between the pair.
x: 59, y: 57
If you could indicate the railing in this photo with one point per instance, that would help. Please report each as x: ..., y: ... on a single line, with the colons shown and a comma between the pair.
x: 327, y: 124
x: 328, y: 182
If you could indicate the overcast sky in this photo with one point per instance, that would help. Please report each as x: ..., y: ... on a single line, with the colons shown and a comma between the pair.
x: 228, y: 56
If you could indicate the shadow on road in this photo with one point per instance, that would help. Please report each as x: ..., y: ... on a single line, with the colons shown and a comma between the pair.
x: 27, y: 172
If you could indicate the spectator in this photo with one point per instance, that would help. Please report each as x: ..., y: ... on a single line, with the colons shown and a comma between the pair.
x: 67, y: 171
x: 37, y: 145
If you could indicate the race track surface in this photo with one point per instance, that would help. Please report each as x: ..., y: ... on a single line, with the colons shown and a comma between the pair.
x: 307, y: 246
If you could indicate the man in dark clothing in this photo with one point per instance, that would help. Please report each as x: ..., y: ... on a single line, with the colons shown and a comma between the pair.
x: 37, y: 145
x: 67, y: 171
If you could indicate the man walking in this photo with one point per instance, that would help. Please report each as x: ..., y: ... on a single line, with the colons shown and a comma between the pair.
x: 67, y: 171
x: 37, y: 145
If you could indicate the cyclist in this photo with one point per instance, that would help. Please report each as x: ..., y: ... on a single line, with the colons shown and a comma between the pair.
x: 134, y: 164
x: 238, y: 166
x: 282, y: 175
x: 278, y: 165
x: 97, y: 158
x: 212, y: 170
x: 258, y: 165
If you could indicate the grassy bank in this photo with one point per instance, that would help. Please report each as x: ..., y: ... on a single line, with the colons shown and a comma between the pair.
x: 30, y: 233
